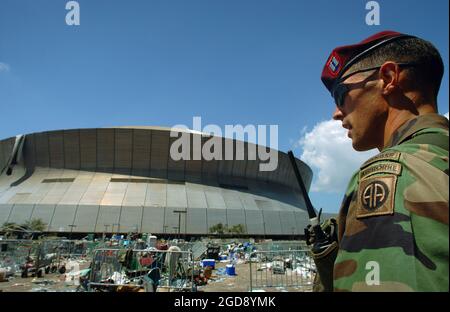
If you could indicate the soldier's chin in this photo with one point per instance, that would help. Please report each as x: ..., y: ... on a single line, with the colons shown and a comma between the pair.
x: 360, y: 146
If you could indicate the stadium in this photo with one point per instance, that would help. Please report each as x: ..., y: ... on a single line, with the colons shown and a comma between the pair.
x: 122, y: 180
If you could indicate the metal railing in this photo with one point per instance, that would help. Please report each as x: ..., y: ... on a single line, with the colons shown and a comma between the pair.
x: 13, y: 254
x: 293, y: 269
x: 147, y: 269
x: 46, y: 255
x: 280, y: 245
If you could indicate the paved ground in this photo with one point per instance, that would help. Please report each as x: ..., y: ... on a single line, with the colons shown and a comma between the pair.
x: 53, y: 282
x: 48, y: 283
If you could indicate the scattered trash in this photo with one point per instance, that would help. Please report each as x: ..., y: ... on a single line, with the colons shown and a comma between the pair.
x: 42, y: 281
x: 278, y: 267
x: 116, y: 265
x: 18, y: 285
x: 42, y: 289
x: 213, y: 250
x: 221, y: 271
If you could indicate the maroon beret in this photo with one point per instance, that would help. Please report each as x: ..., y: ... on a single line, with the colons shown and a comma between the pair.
x: 342, y: 58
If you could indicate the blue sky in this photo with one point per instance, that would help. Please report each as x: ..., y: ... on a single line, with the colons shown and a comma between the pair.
x: 162, y: 62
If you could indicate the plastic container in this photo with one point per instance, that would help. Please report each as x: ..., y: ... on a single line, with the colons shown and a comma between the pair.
x: 209, y: 262
x: 151, y: 241
x: 230, y: 270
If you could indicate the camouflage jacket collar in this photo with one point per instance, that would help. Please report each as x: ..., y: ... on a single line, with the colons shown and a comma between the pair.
x: 414, y: 125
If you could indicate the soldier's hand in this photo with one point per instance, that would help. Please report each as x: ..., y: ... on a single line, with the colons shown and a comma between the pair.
x: 325, y: 255
x: 329, y: 227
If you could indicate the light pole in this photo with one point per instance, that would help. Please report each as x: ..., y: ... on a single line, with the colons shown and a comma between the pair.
x: 136, y: 229
x: 175, y: 229
x: 70, y: 237
x: 264, y: 225
x: 106, y: 231
x: 71, y: 229
x: 118, y: 228
x: 179, y: 221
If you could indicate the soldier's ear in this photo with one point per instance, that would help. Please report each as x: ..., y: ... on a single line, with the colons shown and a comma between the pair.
x: 389, y: 73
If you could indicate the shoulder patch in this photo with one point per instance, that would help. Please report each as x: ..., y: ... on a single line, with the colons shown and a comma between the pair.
x: 391, y: 155
x: 385, y: 167
x: 376, y: 196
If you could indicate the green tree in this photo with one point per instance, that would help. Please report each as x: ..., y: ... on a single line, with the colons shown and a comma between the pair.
x: 219, y: 228
x: 35, y: 225
x: 13, y: 229
x: 7, y: 225
x: 237, y: 229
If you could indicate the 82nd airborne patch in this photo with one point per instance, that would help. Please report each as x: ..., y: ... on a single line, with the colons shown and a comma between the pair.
x: 389, y: 155
x: 376, y: 196
x: 385, y: 167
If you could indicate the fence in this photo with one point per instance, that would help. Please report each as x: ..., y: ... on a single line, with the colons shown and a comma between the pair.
x: 280, y: 245
x: 13, y: 254
x: 284, y: 269
x: 34, y: 257
x: 144, y: 269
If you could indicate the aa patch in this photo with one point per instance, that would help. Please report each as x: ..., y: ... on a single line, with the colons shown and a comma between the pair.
x: 376, y: 196
x: 383, y: 156
x: 385, y: 167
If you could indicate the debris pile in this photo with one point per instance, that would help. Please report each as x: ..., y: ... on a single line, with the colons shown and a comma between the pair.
x: 142, y: 263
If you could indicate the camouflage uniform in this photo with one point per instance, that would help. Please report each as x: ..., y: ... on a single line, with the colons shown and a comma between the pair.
x: 394, y: 216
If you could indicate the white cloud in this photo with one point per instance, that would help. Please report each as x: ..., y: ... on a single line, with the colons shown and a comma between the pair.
x: 446, y: 115
x: 4, y: 67
x: 328, y: 150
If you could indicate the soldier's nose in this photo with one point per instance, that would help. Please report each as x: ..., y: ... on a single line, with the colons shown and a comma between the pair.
x: 337, y: 114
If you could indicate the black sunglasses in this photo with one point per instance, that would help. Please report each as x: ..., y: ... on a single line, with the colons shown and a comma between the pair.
x: 340, y: 90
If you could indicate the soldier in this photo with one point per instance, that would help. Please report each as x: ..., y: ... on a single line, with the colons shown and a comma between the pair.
x: 393, y: 222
